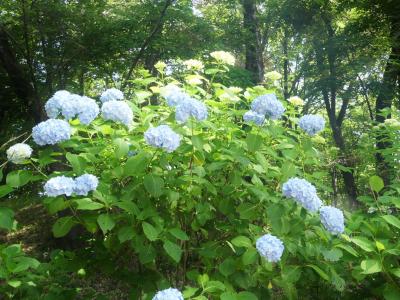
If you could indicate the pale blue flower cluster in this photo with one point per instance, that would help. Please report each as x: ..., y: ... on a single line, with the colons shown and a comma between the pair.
x: 111, y: 94
x: 173, y: 95
x: 190, y: 107
x: 51, y: 132
x: 62, y: 185
x: 303, y: 193
x: 253, y: 117
x: 71, y: 106
x: 162, y: 137
x: 168, y: 294
x: 58, y: 186
x: 117, y: 111
x: 312, y: 124
x: 332, y: 219
x: 269, y: 106
x: 85, y: 183
x: 270, y: 247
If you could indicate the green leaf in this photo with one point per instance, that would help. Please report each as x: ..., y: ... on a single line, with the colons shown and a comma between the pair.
x: 376, y: 183
x: 88, y: 204
x: 254, y: 142
x: 246, y: 296
x: 392, y: 220
x: 105, y: 222
x: 363, y: 243
x: 154, y: 184
x: 77, y: 162
x: 18, y: 178
x: 391, y: 292
x: 214, y: 286
x: 136, y: 165
x: 150, y: 232
x: 179, y: 234
x: 332, y: 255
x: 370, y: 266
x: 320, y: 272
x: 197, y: 142
x: 249, y: 257
x: 126, y: 233
x: 14, y: 283
x: 122, y: 148
x: 24, y: 263
x: 62, y: 226
x: 242, y: 241
x: 5, y: 190
x: 227, y: 267
x: 348, y: 249
x: 173, y: 250
x: 6, y: 218
x: 395, y: 272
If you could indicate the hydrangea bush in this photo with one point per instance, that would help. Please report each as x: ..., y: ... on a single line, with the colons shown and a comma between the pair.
x: 195, y: 191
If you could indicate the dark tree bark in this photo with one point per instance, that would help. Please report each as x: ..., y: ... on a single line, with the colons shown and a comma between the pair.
x: 326, y: 53
x: 19, y: 79
x: 254, y: 59
x: 157, y: 27
x: 385, y: 99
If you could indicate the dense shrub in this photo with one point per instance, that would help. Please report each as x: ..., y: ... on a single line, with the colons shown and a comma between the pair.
x: 188, y: 195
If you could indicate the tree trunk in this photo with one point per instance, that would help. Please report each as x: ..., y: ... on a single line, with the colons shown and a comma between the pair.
x: 384, y: 102
x: 285, y: 66
x: 22, y: 86
x: 254, y: 61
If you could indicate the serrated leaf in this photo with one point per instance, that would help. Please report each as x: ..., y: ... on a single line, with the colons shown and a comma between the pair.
x: 105, y: 222
x: 392, y: 220
x: 150, y: 232
x: 154, y: 184
x: 173, y: 250
x: 333, y: 254
x: 63, y: 226
x: 370, y: 266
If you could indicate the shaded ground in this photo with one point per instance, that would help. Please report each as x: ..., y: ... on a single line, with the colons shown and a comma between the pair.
x: 35, y: 236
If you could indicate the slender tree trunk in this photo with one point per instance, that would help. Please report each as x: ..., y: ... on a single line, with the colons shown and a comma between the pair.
x: 285, y: 65
x: 19, y: 80
x: 254, y: 62
x: 384, y: 102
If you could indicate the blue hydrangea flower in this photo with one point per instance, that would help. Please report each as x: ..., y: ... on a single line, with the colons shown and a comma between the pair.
x: 111, y: 94
x: 51, y: 132
x: 117, y: 111
x: 303, y: 193
x: 270, y: 247
x: 253, y: 117
x: 312, y: 124
x: 88, y: 110
x: 173, y: 95
x: 268, y: 105
x: 168, y: 294
x: 162, y: 137
x: 54, y: 105
x: 85, y: 183
x: 190, y: 107
x: 332, y: 219
x: 58, y: 186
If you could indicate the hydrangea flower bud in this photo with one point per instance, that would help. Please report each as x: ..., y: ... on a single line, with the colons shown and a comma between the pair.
x: 268, y: 105
x: 18, y: 153
x: 253, y: 117
x: 168, y: 294
x: 51, y: 132
x: 302, y: 192
x: 162, y: 137
x: 58, y: 186
x: 312, y: 124
x: 270, y: 247
x: 117, y: 111
x: 85, y: 183
x: 332, y: 218
x: 111, y: 94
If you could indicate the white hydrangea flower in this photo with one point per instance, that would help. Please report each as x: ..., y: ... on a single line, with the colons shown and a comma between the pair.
x: 173, y: 94
x: 168, y: 294
x: 84, y: 184
x: 117, y: 111
x: 296, y: 101
x: 18, y: 153
x: 58, y: 186
x: 193, y: 64
x: 223, y: 57
x: 273, y: 75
